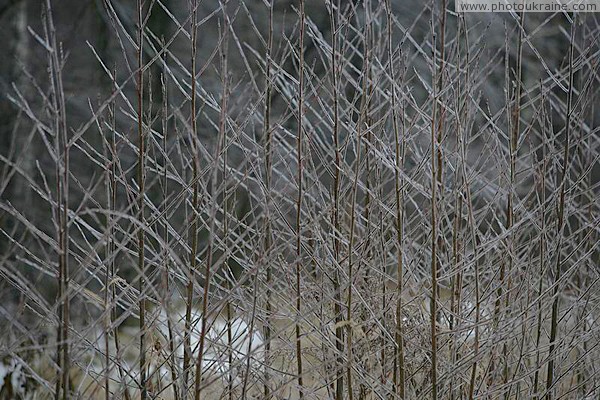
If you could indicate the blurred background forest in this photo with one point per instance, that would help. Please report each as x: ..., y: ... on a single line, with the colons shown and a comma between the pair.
x: 297, y: 199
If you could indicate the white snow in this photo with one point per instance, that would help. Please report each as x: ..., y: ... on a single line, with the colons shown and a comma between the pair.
x: 14, y: 368
x: 223, y: 340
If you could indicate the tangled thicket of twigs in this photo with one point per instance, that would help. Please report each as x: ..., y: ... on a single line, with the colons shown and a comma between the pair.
x: 306, y: 201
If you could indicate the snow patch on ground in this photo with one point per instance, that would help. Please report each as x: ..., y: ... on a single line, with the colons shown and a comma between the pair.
x: 11, y: 373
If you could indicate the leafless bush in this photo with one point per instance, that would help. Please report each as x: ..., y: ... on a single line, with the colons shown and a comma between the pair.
x: 301, y: 200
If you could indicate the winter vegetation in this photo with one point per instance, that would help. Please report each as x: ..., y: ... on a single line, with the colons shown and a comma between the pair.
x: 346, y: 200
